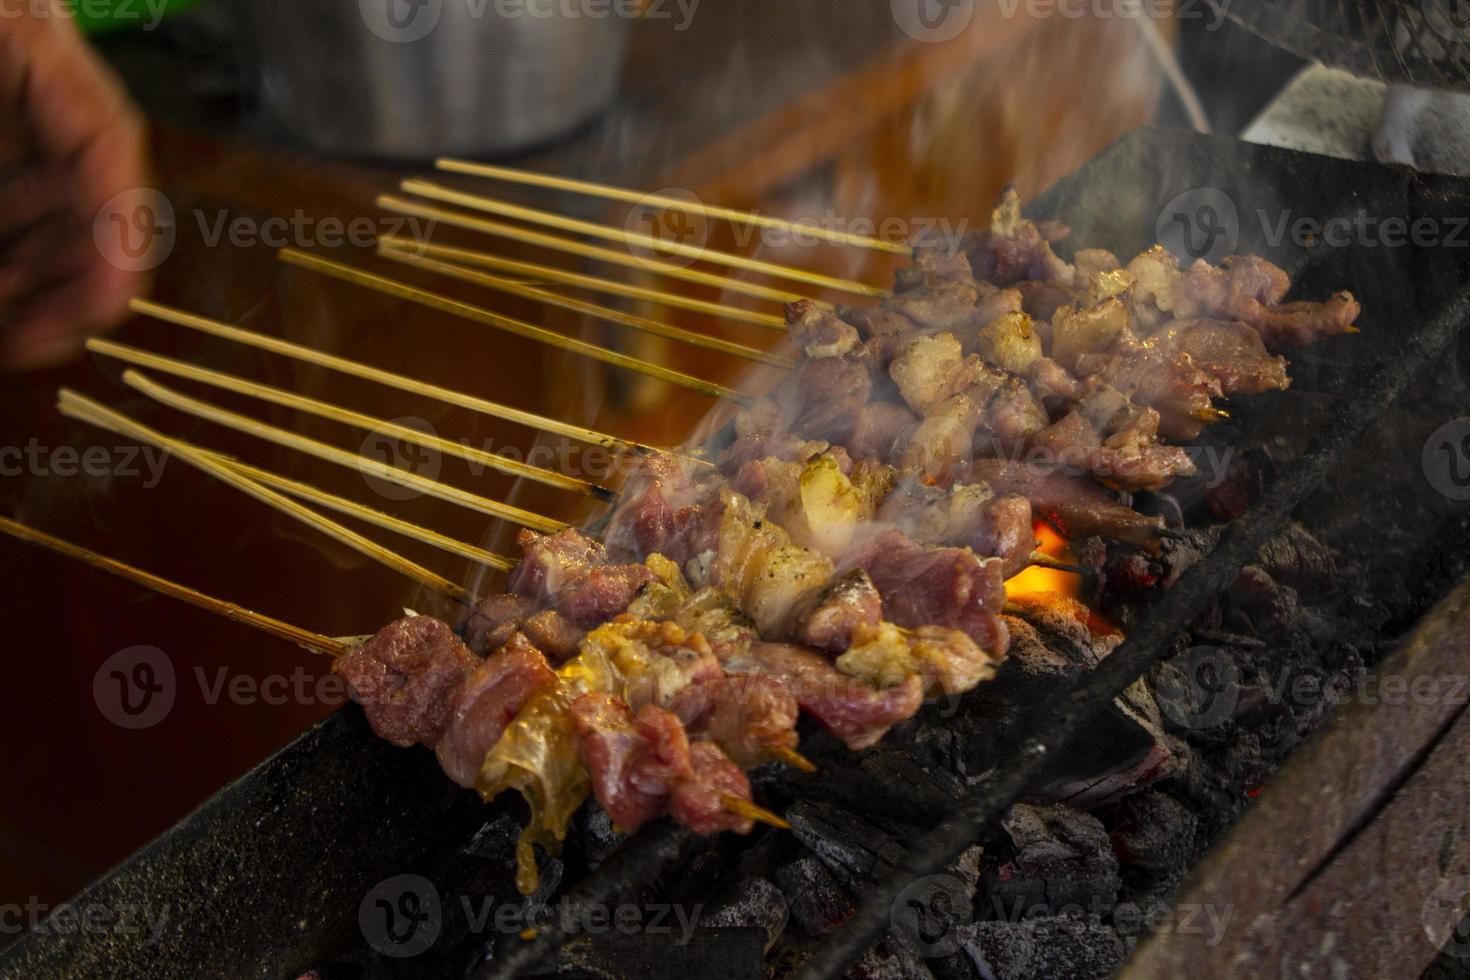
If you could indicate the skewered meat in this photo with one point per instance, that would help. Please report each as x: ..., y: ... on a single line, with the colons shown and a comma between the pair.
x: 407, y: 677
x: 744, y: 716
x: 928, y: 586
x: 642, y: 765
x: 486, y: 702
x: 847, y: 603
x: 965, y: 515
x: 854, y: 711
x: 1077, y: 506
x: 573, y: 571
x: 1232, y: 353
x: 494, y: 619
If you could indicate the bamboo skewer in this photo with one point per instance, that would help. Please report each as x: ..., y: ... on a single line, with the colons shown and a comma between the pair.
x: 315, y: 642
x: 277, y: 396
x: 1047, y: 561
x: 742, y: 807
x: 557, y: 243
x: 699, y: 253
x: 77, y: 406
x: 357, y: 369
x: 291, y: 440
x: 549, y: 274
x: 791, y: 757
x: 589, y: 309
x: 341, y: 505
x: 672, y: 203
x: 444, y: 304
x: 306, y: 639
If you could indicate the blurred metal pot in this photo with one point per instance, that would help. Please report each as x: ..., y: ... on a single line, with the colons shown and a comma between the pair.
x: 409, y: 79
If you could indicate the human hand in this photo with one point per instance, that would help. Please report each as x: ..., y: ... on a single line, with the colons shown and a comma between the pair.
x: 71, y: 146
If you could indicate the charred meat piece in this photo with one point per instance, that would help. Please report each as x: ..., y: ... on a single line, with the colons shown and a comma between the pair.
x: 406, y: 678
x: 553, y: 633
x: 641, y: 766
x: 923, y: 585
x: 698, y: 799
x: 855, y: 712
x: 849, y: 601
x: 1013, y: 249
x: 487, y: 702
x: 602, y: 592
x: 552, y: 561
x: 746, y: 716
x: 633, y: 761
x: 1076, y: 505
x: 965, y: 515
x: 1232, y: 352
x: 819, y: 332
x: 495, y: 619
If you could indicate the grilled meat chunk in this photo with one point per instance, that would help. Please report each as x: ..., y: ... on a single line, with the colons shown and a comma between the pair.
x: 406, y: 678
x: 855, y: 712
x: 486, y: 703
x: 927, y: 586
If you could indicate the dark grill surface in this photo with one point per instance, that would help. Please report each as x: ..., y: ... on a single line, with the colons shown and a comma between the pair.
x: 266, y: 879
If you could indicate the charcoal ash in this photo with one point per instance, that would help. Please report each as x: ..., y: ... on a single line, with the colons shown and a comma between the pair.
x: 751, y: 902
x: 1042, y: 948
x: 1060, y: 858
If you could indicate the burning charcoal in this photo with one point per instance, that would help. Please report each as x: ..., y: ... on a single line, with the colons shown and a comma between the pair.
x: 817, y: 901
x: 890, y: 959
x: 1063, y: 859
x: 599, y: 840
x: 1267, y: 606
x: 855, y: 850
x: 1153, y: 832
x: 752, y: 902
x: 1043, y: 949
x: 1296, y: 559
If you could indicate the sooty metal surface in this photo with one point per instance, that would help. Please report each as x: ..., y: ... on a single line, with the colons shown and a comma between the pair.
x: 266, y: 878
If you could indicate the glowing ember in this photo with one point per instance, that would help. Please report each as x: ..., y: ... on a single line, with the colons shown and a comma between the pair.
x: 1037, y: 579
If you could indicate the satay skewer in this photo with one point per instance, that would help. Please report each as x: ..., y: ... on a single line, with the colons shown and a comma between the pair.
x: 341, y: 505
x: 357, y: 369
x: 314, y: 642
x: 306, y: 639
x: 538, y: 272
x: 321, y: 450
x: 685, y: 250
x: 654, y: 327
x: 672, y: 203
x: 489, y: 318
x: 75, y: 405
x: 287, y: 399
x: 557, y: 243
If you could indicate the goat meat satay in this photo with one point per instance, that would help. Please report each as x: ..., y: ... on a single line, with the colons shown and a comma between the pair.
x: 407, y: 676
x: 1076, y: 505
x: 486, y: 702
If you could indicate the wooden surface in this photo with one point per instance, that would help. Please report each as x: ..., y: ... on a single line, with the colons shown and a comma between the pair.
x: 1358, y: 850
x: 792, y: 108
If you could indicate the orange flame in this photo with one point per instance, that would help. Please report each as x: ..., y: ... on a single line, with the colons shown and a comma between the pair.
x: 1037, y: 579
